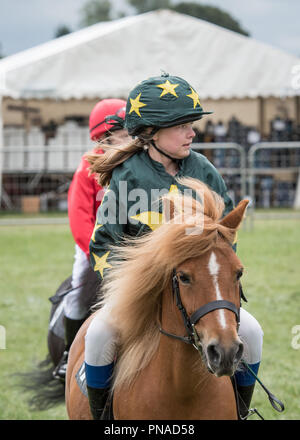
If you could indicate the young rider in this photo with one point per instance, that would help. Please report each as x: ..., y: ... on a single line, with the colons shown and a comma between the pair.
x: 159, y: 114
x: 84, y: 197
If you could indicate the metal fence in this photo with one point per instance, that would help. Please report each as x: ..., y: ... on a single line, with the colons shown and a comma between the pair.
x: 45, y: 159
x: 273, y: 169
x: 268, y: 173
x: 38, y: 177
x: 231, y: 161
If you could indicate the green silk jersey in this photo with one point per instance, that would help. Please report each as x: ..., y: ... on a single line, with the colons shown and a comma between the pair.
x: 130, y: 204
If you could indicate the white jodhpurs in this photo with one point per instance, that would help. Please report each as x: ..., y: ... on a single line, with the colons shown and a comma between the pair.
x: 101, y: 342
x: 251, y: 335
x: 100, y: 349
x: 73, y: 307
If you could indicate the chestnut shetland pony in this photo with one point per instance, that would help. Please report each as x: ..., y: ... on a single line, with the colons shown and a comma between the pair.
x: 169, y: 287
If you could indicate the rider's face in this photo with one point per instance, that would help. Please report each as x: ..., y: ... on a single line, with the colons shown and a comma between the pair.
x: 175, y: 140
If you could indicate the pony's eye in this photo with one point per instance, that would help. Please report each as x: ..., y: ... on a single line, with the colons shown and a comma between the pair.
x: 184, y: 278
x: 239, y: 274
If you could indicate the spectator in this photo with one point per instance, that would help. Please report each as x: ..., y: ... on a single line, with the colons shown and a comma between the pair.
x: 253, y: 136
x: 209, y: 132
x: 233, y: 129
x: 220, y: 132
x: 278, y: 129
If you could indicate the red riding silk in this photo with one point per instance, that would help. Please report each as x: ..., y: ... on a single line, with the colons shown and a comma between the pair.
x: 84, y: 198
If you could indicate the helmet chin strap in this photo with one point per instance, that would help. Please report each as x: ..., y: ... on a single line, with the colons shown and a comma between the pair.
x: 162, y: 152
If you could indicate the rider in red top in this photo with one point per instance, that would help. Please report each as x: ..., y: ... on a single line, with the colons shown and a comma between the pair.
x: 84, y: 197
x: 85, y: 194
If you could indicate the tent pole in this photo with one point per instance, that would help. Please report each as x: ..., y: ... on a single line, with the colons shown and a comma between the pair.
x: 297, y: 109
x: 261, y: 115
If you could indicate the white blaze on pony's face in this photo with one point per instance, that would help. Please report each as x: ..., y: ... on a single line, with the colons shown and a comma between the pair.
x: 214, y: 268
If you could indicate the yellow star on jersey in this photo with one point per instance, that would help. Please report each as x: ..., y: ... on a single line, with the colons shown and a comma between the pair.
x: 173, y: 189
x: 101, y: 263
x: 136, y: 105
x: 194, y: 96
x: 168, y: 88
x: 153, y: 219
x: 97, y: 226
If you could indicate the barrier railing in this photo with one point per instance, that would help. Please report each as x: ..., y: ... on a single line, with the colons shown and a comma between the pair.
x: 230, y: 159
x: 245, y: 175
x: 47, y: 159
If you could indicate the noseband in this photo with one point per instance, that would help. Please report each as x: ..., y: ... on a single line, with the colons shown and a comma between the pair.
x: 190, y: 321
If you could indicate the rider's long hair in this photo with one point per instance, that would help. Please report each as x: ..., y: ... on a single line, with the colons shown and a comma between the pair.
x: 103, y: 164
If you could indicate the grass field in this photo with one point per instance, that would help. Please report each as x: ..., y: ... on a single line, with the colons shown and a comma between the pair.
x: 35, y: 259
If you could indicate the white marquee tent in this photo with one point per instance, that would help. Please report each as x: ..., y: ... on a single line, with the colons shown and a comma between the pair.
x: 108, y: 59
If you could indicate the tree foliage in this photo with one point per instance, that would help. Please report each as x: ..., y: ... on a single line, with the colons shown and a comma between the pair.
x: 1, y: 53
x: 101, y: 10
x: 94, y: 11
x: 62, y: 30
x: 205, y: 12
x: 142, y: 6
x: 211, y: 14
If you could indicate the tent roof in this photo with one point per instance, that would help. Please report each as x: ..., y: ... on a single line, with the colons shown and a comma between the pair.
x: 108, y: 59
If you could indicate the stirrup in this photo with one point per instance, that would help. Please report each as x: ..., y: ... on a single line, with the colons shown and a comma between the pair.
x: 60, y: 370
x: 250, y: 413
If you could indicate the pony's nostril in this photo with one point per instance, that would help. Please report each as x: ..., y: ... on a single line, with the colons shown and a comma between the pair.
x: 239, y: 352
x: 214, y: 354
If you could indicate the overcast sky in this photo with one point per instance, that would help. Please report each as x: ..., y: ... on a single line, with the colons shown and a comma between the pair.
x: 27, y: 23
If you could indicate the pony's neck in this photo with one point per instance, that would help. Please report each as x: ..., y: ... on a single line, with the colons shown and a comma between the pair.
x: 182, y: 363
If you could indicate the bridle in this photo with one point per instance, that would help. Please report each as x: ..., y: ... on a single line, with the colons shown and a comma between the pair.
x: 190, y: 321
x: 193, y: 337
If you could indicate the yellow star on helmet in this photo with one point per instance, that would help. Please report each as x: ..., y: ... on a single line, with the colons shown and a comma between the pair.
x: 168, y: 88
x: 101, y: 263
x: 194, y: 96
x: 136, y: 105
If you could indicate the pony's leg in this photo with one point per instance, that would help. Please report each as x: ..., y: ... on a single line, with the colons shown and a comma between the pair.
x: 100, y: 350
x: 251, y: 334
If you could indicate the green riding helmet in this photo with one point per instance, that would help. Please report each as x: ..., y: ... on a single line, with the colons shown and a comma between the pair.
x: 161, y: 102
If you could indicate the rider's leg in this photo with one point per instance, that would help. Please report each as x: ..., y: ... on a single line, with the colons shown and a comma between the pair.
x: 75, y: 312
x: 100, y: 349
x: 251, y: 335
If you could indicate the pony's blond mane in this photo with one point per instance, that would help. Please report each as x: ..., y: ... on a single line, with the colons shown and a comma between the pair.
x: 142, y: 270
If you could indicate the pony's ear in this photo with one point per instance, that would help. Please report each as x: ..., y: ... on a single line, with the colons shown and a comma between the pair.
x: 235, y: 217
x: 170, y: 209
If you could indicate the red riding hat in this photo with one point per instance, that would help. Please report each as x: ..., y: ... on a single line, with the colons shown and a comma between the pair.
x: 107, y: 115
